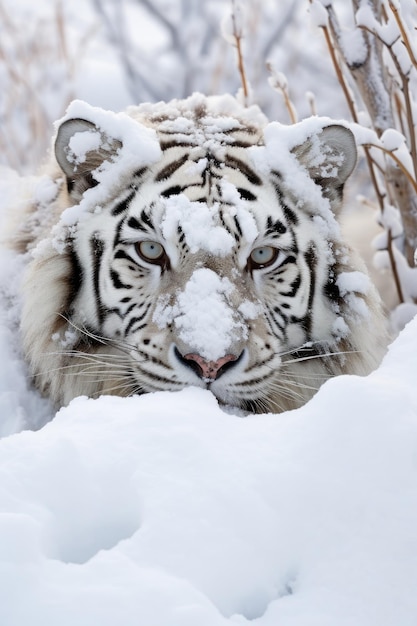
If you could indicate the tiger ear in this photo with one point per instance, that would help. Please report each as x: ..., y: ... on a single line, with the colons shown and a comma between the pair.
x: 330, y: 158
x: 80, y: 148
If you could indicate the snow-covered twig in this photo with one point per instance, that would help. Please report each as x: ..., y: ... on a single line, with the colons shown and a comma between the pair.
x: 404, y: 34
x: 235, y: 37
x: 378, y: 55
x: 278, y: 81
x: 33, y: 62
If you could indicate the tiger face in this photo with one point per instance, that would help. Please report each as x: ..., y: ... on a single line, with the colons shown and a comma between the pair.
x: 218, y: 263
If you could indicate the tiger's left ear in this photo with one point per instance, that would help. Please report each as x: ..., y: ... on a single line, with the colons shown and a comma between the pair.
x: 80, y: 148
x: 329, y: 158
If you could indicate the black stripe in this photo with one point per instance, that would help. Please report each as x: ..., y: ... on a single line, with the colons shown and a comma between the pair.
x: 134, y: 320
x: 181, y: 234
x: 140, y: 173
x: 122, y: 206
x: 238, y: 228
x: 130, y: 307
x: 121, y: 254
x: 116, y: 311
x: 272, y: 320
x: 331, y: 290
x: 166, y: 145
x: 76, y: 276
x: 275, y: 227
x: 245, y: 194
x: 132, y: 222
x: 244, y: 168
x: 311, y: 260
x: 223, y: 223
x: 117, y: 283
x: 294, y: 287
x: 172, y: 191
x: 257, y: 364
x: 169, y: 169
x: 117, y: 232
x: 287, y: 261
x: 146, y: 219
x: 290, y: 214
x: 97, y: 250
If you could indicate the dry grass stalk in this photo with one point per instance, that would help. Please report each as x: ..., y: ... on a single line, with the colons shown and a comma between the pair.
x: 237, y: 31
x: 385, y: 92
x: 279, y: 82
x: 32, y: 60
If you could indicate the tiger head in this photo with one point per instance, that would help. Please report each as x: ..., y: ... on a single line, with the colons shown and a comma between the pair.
x: 193, y: 243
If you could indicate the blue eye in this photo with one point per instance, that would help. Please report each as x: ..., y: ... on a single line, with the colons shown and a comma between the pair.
x: 263, y: 256
x: 150, y: 251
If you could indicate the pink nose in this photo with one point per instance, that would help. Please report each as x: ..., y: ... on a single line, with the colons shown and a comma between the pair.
x: 209, y: 369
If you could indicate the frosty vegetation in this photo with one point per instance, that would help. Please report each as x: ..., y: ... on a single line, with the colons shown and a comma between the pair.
x: 375, y: 60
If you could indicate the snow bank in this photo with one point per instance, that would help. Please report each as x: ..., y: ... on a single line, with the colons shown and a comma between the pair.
x: 163, y: 509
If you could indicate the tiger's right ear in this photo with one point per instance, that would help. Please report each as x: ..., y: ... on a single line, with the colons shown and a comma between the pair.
x: 80, y: 148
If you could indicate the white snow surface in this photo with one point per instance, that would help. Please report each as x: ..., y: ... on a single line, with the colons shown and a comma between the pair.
x: 165, y: 510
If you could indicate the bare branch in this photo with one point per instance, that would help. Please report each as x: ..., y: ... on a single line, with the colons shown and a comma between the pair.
x: 238, y: 35
x: 403, y: 31
x: 367, y: 66
x: 279, y: 82
x: 398, y: 161
x: 393, y: 264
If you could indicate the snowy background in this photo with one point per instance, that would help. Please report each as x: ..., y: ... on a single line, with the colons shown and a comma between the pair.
x: 77, y: 49
x: 164, y: 510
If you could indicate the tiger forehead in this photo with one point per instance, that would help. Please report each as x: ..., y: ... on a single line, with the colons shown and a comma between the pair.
x: 198, y: 126
x: 199, y: 155
x: 196, y: 222
x: 207, y: 182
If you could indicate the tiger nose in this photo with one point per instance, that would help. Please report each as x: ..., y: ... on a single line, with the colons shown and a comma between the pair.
x: 209, y: 370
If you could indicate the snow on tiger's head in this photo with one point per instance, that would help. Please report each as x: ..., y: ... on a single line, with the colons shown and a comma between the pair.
x: 194, y: 243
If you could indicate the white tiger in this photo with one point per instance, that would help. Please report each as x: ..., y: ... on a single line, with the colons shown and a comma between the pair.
x: 192, y: 243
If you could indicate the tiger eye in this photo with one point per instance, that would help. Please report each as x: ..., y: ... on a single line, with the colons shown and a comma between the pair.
x: 150, y: 251
x: 263, y: 256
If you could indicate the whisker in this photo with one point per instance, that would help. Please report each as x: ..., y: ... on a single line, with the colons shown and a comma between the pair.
x: 121, y: 387
x: 91, y: 355
x: 112, y: 370
x: 285, y: 392
x: 309, y: 357
x: 77, y: 368
x: 119, y: 343
x: 292, y: 380
x: 290, y: 374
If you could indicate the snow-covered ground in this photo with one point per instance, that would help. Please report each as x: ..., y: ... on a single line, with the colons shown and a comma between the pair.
x: 164, y: 510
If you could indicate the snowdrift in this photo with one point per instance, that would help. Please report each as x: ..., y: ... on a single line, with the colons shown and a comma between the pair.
x: 165, y: 510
